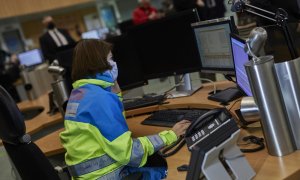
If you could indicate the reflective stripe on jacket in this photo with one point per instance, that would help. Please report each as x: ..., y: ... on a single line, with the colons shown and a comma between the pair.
x: 96, y: 136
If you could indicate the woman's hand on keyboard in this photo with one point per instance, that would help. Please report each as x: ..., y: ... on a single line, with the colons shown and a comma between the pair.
x: 180, y: 127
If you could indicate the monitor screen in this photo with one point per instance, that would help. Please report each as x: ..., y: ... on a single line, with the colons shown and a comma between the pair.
x: 240, y: 57
x: 103, y: 32
x: 93, y: 34
x: 166, y: 46
x: 130, y: 70
x: 213, y: 42
x: 31, y: 58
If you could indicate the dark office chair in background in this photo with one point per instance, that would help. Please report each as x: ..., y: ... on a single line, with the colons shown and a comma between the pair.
x: 27, y: 158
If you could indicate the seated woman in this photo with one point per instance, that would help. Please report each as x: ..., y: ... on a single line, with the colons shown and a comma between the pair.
x: 96, y: 137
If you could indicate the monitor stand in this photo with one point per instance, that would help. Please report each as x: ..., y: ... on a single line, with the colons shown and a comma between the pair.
x: 185, y: 89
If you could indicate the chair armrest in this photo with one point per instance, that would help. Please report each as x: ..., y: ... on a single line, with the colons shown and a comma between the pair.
x: 62, y: 169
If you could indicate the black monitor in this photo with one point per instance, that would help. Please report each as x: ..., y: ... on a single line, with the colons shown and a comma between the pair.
x: 213, y: 42
x: 31, y: 58
x: 166, y: 46
x: 64, y: 56
x: 125, y: 26
x: 130, y: 71
x: 240, y: 58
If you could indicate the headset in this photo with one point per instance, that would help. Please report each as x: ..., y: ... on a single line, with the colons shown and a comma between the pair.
x: 254, y: 140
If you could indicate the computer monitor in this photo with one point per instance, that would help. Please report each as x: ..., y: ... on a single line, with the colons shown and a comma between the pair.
x: 165, y: 46
x: 125, y: 26
x: 213, y: 44
x: 100, y: 33
x: 103, y: 31
x: 93, y: 34
x: 240, y: 57
x: 31, y: 58
x: 64, y: 56
x: 130, y: 71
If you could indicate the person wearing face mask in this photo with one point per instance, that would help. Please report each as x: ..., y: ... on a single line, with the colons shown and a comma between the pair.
x: 114, y: 75
x: 53, y: 39
x: 97, y: 140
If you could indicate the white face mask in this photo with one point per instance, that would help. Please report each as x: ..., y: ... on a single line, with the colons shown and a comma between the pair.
x: 114, y: 70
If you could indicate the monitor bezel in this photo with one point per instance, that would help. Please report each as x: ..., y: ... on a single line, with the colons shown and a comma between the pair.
x: 33, y: 65
x: 238, y: 38
x: 134, y: 85
x: 213, y: 22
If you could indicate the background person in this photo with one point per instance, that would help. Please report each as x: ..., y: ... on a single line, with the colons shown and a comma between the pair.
x: 144, y: 12
x: 53, y: 38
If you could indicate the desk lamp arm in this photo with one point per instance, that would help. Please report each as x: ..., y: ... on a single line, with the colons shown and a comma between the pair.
x: 280, y: 18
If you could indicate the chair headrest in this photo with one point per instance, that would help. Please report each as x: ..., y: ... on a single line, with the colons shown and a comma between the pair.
x: 12, y: 126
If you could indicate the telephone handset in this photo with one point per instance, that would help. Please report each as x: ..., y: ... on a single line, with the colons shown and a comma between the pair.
x: 199, y: 129
x: 207, y: 118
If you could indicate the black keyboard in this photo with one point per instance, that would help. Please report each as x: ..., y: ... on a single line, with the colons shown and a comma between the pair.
x: 143, y: 102
x: 167, y: 118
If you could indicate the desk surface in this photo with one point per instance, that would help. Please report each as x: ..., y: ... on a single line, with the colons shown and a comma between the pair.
x: 266, y: 167
x: 43, y: 119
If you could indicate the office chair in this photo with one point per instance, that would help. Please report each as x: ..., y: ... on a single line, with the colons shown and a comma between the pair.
x: 27, y: 158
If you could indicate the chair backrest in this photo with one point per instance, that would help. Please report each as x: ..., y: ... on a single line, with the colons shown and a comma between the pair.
x: 12, y: 123
x: 28, y: 159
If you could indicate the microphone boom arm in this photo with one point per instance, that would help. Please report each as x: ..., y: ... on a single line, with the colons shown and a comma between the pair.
x: 280, y: 18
